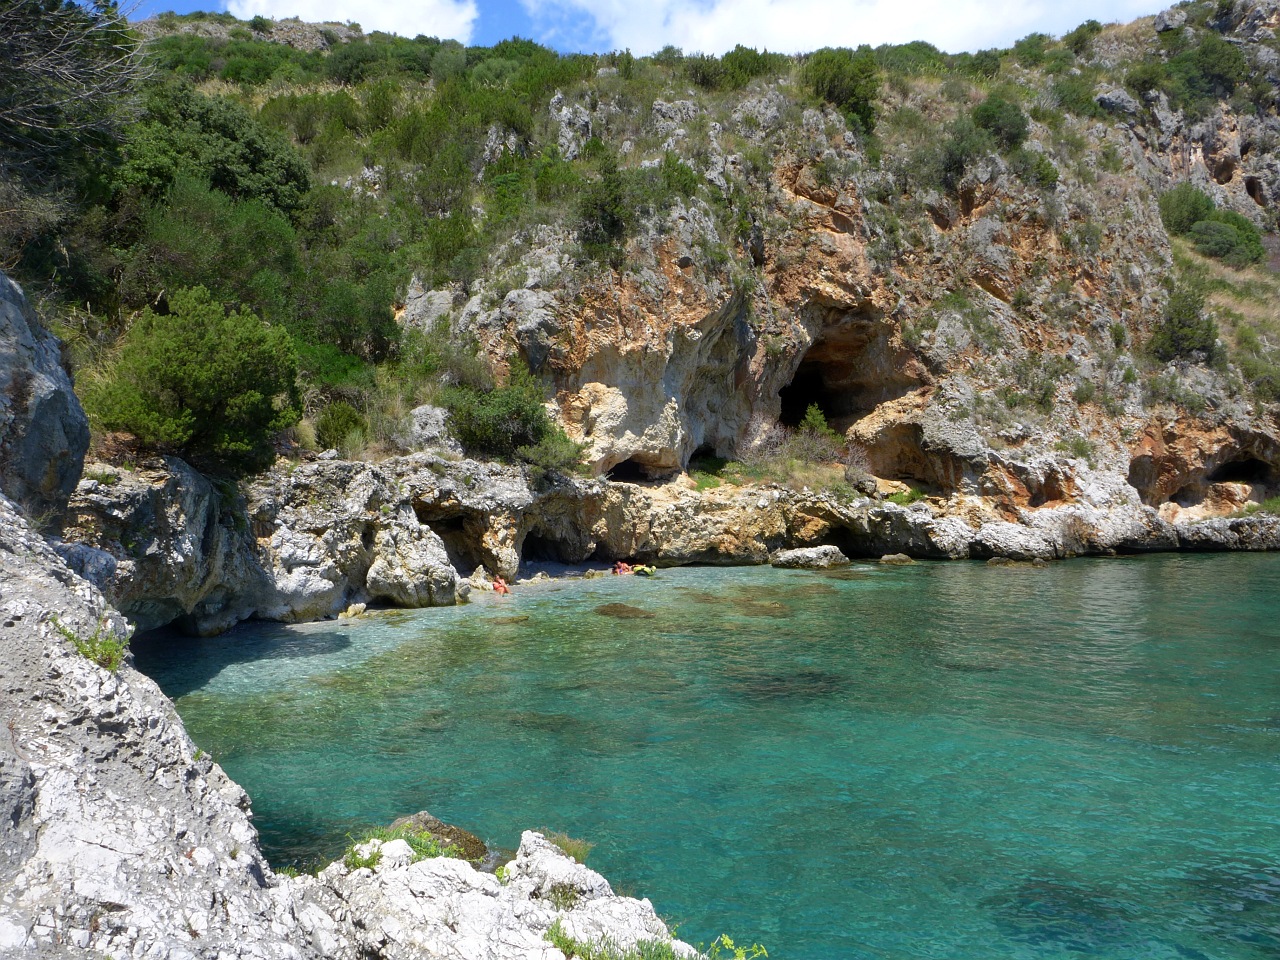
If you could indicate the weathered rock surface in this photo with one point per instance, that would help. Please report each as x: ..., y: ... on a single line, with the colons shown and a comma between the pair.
x: 445, y: 908
x: 307, y: 541
x: 118, y: 838
x: 115, y: 837
x: 168, y: 546
x: 43, y: 430
x: 810, y: 558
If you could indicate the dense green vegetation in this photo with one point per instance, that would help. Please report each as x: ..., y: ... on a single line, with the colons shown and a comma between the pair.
x: 1222, y: 234
x: 213, y: 386
x: 304, y: 188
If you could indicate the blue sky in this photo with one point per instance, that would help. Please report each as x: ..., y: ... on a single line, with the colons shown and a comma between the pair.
x: 711, y: 26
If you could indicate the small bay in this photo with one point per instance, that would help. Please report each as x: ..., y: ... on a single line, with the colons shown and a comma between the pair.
x: 941, y: 760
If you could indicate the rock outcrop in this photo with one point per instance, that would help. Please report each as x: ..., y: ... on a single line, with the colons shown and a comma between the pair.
x: 168, y: 545
x: 304, y: 542
x: 119, y: 838
x: 43, y: 430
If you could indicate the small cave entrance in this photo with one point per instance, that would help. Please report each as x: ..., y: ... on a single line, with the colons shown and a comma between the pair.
x: 628, y: 471
x: 849, y: 370
x: 1253, y: 187
x: 537, y: 547
x: 1250, y: 470
x: 459, y: 543
x: 808, y: 387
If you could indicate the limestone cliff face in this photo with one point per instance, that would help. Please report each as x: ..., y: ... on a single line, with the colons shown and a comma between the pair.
x: 167, y: 545
x: 973, y: 341
x: 43, y: 430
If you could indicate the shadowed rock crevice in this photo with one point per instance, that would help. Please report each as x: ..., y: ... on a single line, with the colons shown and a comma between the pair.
x: 851, y: 368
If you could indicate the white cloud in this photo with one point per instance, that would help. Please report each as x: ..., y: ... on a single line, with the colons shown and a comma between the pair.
x: 792, y: 26
x: 446, y: 19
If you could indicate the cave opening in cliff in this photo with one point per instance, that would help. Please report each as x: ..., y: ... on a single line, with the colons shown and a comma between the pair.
x: 458, y: 540
x: 628, y: 471
x: 1249, y: 470
x: 807, y: 387
x: 850, y: 369
x: 538, y: 547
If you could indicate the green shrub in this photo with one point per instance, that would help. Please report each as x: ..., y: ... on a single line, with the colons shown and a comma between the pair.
x: 965, y: 142
x: 1206, y: 72
x: 212, y: 139
x: 847, y: 79
x: 1184, y: 206
x: 1185, y: 330
x: 1003, y: 120
x: 207, y: 384
x: 104, y: 646
x: 500, y: 421
x: 814, y: 441
x: 1030, y: 50
x: 1247, y: 248
x: 605, y: 218
x: 554, y: 454
x: 1223, y: 234
x: 338, y: 421
x: 1074, y: 94
x: 678, y: 178
x: 1034, y: 168
x: 1080, y: 40
x: 242, y: 251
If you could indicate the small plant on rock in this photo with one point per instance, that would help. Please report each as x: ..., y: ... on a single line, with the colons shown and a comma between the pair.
x: 104, y: 646
x: 573, y: 848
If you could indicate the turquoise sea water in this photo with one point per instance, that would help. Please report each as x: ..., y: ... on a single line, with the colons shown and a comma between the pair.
x: 943, y: 760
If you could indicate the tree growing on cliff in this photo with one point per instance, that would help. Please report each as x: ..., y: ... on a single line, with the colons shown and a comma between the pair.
x: 206, y: 384
x: 848, y: 79
x: 67, y: 74
x: 1186, y: 331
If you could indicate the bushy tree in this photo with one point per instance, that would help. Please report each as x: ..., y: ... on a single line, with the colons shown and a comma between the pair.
x: 848, y: 79
x: 207, y: 384
x: 1184, y: 206
x: 1003, y: 120
x: 1185, y: 330
x: 338, y: 421
x: 216, y: 140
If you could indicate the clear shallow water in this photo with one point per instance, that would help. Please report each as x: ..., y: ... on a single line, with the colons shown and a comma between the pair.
x: 944, y: 760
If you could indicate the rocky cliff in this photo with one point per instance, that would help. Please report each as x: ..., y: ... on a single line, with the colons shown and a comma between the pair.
x: 118, y: 837
x: 43, y: 430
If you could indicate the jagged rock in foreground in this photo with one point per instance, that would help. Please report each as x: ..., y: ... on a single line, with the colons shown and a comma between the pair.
x: 167, y: 545
x: 43, y: 430
x: 445, y: 908
x: 114, y: 835
x: 118, y: 839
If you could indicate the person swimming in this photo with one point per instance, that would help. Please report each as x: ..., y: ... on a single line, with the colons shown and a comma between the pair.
x: 500, y: 585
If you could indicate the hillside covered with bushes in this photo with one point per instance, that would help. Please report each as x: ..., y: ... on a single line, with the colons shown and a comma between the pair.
x: 382, y: 222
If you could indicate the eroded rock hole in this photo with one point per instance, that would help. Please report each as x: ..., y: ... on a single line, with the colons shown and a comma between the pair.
x: 1250, y: 471
x: 851, y: 368
x: 628, y: 471
x: 1253, y: 186
x: 809, y: 386
x: 459, y: 544
x: 537, y: 547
